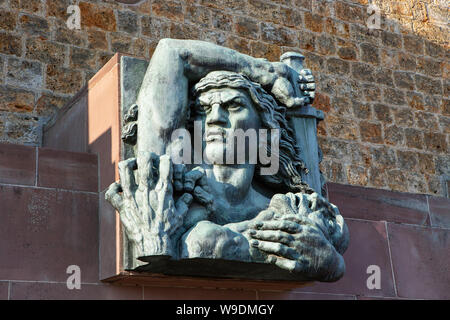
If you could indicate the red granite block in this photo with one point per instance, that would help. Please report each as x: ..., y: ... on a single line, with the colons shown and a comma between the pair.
x: 17, y: 164
x: 439, y: 212
x: 4, y: 290
x: 178, y: 293
x: 368, y: 246
x: 43, y: 231
x: 421, y: 261
x: 109, y: 239
x: 67, y: 170
x: 377, y: 298
x: 59, y: 291
x: 379, y: 205
x: 286, y: 295
x: 69, y: 131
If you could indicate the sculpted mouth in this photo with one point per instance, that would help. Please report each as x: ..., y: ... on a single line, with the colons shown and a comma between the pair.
x: 216, y: 134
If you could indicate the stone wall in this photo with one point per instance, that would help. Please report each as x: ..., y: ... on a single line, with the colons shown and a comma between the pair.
x: 385, y: 92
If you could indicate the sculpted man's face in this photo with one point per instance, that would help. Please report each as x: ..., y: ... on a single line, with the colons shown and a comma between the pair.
x: 223, y: 111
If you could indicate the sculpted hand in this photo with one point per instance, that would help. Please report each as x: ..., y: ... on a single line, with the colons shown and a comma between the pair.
x: 299, y: 239
x: 307, y: 84
x: 152, y: 219
x: 291, y: 89
x: 195, y: 183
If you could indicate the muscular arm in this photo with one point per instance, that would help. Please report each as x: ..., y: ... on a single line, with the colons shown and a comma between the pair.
x: 288, y: 234
x: 163, y: 97
x: 209, y: 240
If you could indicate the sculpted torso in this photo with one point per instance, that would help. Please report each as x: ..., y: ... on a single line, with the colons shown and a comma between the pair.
x: 217, y: 209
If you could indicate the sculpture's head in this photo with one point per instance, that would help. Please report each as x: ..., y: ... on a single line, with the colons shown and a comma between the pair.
x: 228, y: 101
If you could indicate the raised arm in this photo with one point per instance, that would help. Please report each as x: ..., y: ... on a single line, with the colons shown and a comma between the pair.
x: 163, y: 97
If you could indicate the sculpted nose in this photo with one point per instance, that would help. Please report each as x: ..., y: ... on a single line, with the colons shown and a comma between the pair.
x: 217, y: 115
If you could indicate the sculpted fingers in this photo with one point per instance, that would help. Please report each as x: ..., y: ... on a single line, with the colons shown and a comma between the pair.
x: 126, y: 173
x: 145, y: 170
x: 275, y: 248
x: 307, y: 84
x: 283, y: 225
x: 282, y: 89
x: 178, y: 176
x: 194, y: 177
x: 165, y: 175
x: 273, y: 236
x: 203, y: 197
x: 183, y: 204
x: 287, y: 264
x: 113, y: 195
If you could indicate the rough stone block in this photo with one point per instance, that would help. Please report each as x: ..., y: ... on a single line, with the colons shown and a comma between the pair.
x: 127, y: 21
x: 82, y: 58
x: 74, y: 37
x: 391, y: 39
x: 369, y: 53
x: 45, y: 51
x: 246, y: 27
x: 435, y: 142
x: 63, y: 80
x: 168, y: 9
x: 10, y: 44
x: 8, y: 20
x: 24, y: 73
x: 370, y: 132
x: 97, y: 40
x: 198, y: 15
x: 413, y: 44
x: 262, y: 10
x: 314, y: 22
x: 95, y: 15
x: 278, y: 35
x: 414, y: 138
x: 16, y: 100
x: 349, y: 12
x: 221, y: 20
x: 34, y: 25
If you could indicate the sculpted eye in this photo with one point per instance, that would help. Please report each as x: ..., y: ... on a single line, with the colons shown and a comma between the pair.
x: 202, y: 109
x: 234, y: 107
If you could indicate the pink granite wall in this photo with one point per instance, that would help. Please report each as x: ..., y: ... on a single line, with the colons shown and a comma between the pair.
x: 50, y: 220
